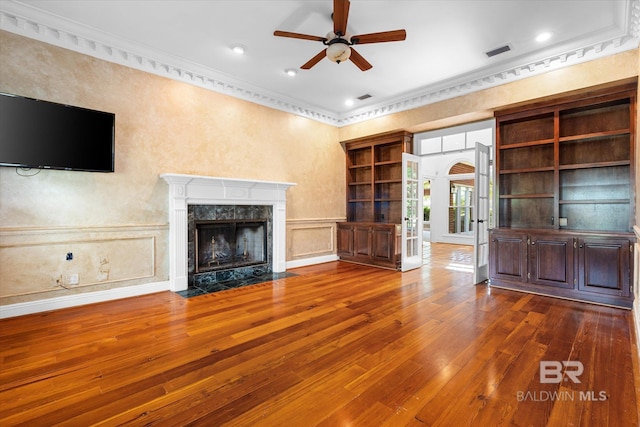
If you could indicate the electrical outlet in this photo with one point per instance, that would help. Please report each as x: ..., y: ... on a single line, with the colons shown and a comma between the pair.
x: 72, y: 279
x: 563, y: 222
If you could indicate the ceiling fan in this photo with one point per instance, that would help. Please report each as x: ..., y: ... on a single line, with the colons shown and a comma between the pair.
x: 339, y: 43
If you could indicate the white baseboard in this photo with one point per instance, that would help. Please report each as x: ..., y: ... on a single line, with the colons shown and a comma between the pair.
x: 311, y: 261
x: 39, y: 306
x: 30, y: 307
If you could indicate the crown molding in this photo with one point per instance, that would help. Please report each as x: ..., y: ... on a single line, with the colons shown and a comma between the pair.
x: 33, y: 23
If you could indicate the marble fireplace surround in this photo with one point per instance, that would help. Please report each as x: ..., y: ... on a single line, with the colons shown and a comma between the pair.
x: 185, y: 190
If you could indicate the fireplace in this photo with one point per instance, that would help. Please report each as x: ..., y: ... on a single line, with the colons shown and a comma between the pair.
x: 226, y: 199
x: 229, y: 244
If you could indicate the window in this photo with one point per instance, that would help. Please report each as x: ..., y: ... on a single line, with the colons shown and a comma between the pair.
x: 461, y: 198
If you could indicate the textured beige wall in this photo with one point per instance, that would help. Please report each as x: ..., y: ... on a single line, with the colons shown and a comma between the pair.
x: 481, y: 105
x: 161, y: 126
x: 167, y: 126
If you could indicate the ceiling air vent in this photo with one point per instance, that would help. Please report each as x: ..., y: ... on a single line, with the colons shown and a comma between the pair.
x: 498, y: 51
x: 363, y: 97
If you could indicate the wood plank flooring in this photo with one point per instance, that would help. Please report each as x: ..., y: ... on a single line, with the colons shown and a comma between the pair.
x: 338, y: 345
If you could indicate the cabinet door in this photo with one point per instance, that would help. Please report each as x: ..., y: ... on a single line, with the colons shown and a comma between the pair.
x: 362, y: 240
x: 383, y: 247
x: 551, y: 261
x: 508, y: 256
x: 345, y: 240
x: 605, y: 266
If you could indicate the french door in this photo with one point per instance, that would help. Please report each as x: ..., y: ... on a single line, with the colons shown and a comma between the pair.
x: 481, y: 210
x: 412, y: 212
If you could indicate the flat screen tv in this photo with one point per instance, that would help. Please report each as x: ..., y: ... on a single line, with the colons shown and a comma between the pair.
x: 46, y: 135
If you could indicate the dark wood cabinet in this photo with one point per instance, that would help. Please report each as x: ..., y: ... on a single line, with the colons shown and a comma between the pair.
x: 537, y: 259
x: 566, y: 196
x: 374, y: 196
x: 370, y: 243
x: 551, y: 259
x: 605, y: 266
x: 582, y: 266
x: 509, y: 259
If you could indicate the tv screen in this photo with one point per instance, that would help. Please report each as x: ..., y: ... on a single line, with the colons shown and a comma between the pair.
x: 47, y: 135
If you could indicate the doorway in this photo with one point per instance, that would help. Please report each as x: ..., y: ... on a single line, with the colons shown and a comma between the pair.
x: 448, y: 165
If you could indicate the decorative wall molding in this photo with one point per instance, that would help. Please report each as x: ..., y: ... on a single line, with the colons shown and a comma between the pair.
x: 106, y: 256
x: 32, y: 23
x: 311, y: 239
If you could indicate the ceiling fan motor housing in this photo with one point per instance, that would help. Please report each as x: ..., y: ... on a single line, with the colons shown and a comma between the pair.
x: 339, y: 42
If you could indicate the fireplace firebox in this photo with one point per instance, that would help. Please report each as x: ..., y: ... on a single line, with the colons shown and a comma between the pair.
x: 224, y: 244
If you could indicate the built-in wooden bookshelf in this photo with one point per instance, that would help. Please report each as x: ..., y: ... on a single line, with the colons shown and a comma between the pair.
x: 374, y: 197
x: 566, y: 182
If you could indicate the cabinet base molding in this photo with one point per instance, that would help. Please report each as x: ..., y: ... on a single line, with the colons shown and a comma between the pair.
x: 369, y: 264
x: 625, y: 305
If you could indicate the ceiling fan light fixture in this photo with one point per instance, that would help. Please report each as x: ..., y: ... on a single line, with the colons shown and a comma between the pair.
x: 291, y: 72
x: 338, y: 52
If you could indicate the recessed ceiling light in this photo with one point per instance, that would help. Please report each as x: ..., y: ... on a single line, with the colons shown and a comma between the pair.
x: 239, y: 49
x: 543, y: 37
x: 291, y: 72
x: 348, y: 102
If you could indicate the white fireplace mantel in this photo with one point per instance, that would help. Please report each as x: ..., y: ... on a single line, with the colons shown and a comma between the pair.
x: 185, y: 190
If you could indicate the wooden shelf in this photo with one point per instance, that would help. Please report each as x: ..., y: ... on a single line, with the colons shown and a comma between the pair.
x: 595, y: 165
x: 595, y: 202
x: 594, y: 135
x: 569, y: 161
x: 589, y: 147
x: 527, y: 196
x: 526, y: 170
x: 528, y: 144
x: 374, y: 176
x: 374, y: 196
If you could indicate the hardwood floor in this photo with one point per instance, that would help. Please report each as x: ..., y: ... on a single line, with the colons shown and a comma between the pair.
x: 338, y: 345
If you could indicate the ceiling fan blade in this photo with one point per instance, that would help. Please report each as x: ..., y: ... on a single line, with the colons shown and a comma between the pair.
x: 360, y: 62
x: 340, y: 16
x: 313, y: 61
x: 298, y: 36
x: 385, y: 36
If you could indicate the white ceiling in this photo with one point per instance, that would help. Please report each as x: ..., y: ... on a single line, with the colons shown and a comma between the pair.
x: 443, y: 55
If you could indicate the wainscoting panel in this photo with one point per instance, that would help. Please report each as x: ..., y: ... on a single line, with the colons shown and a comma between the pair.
x: 45, y: 260
x: 311, y: 238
